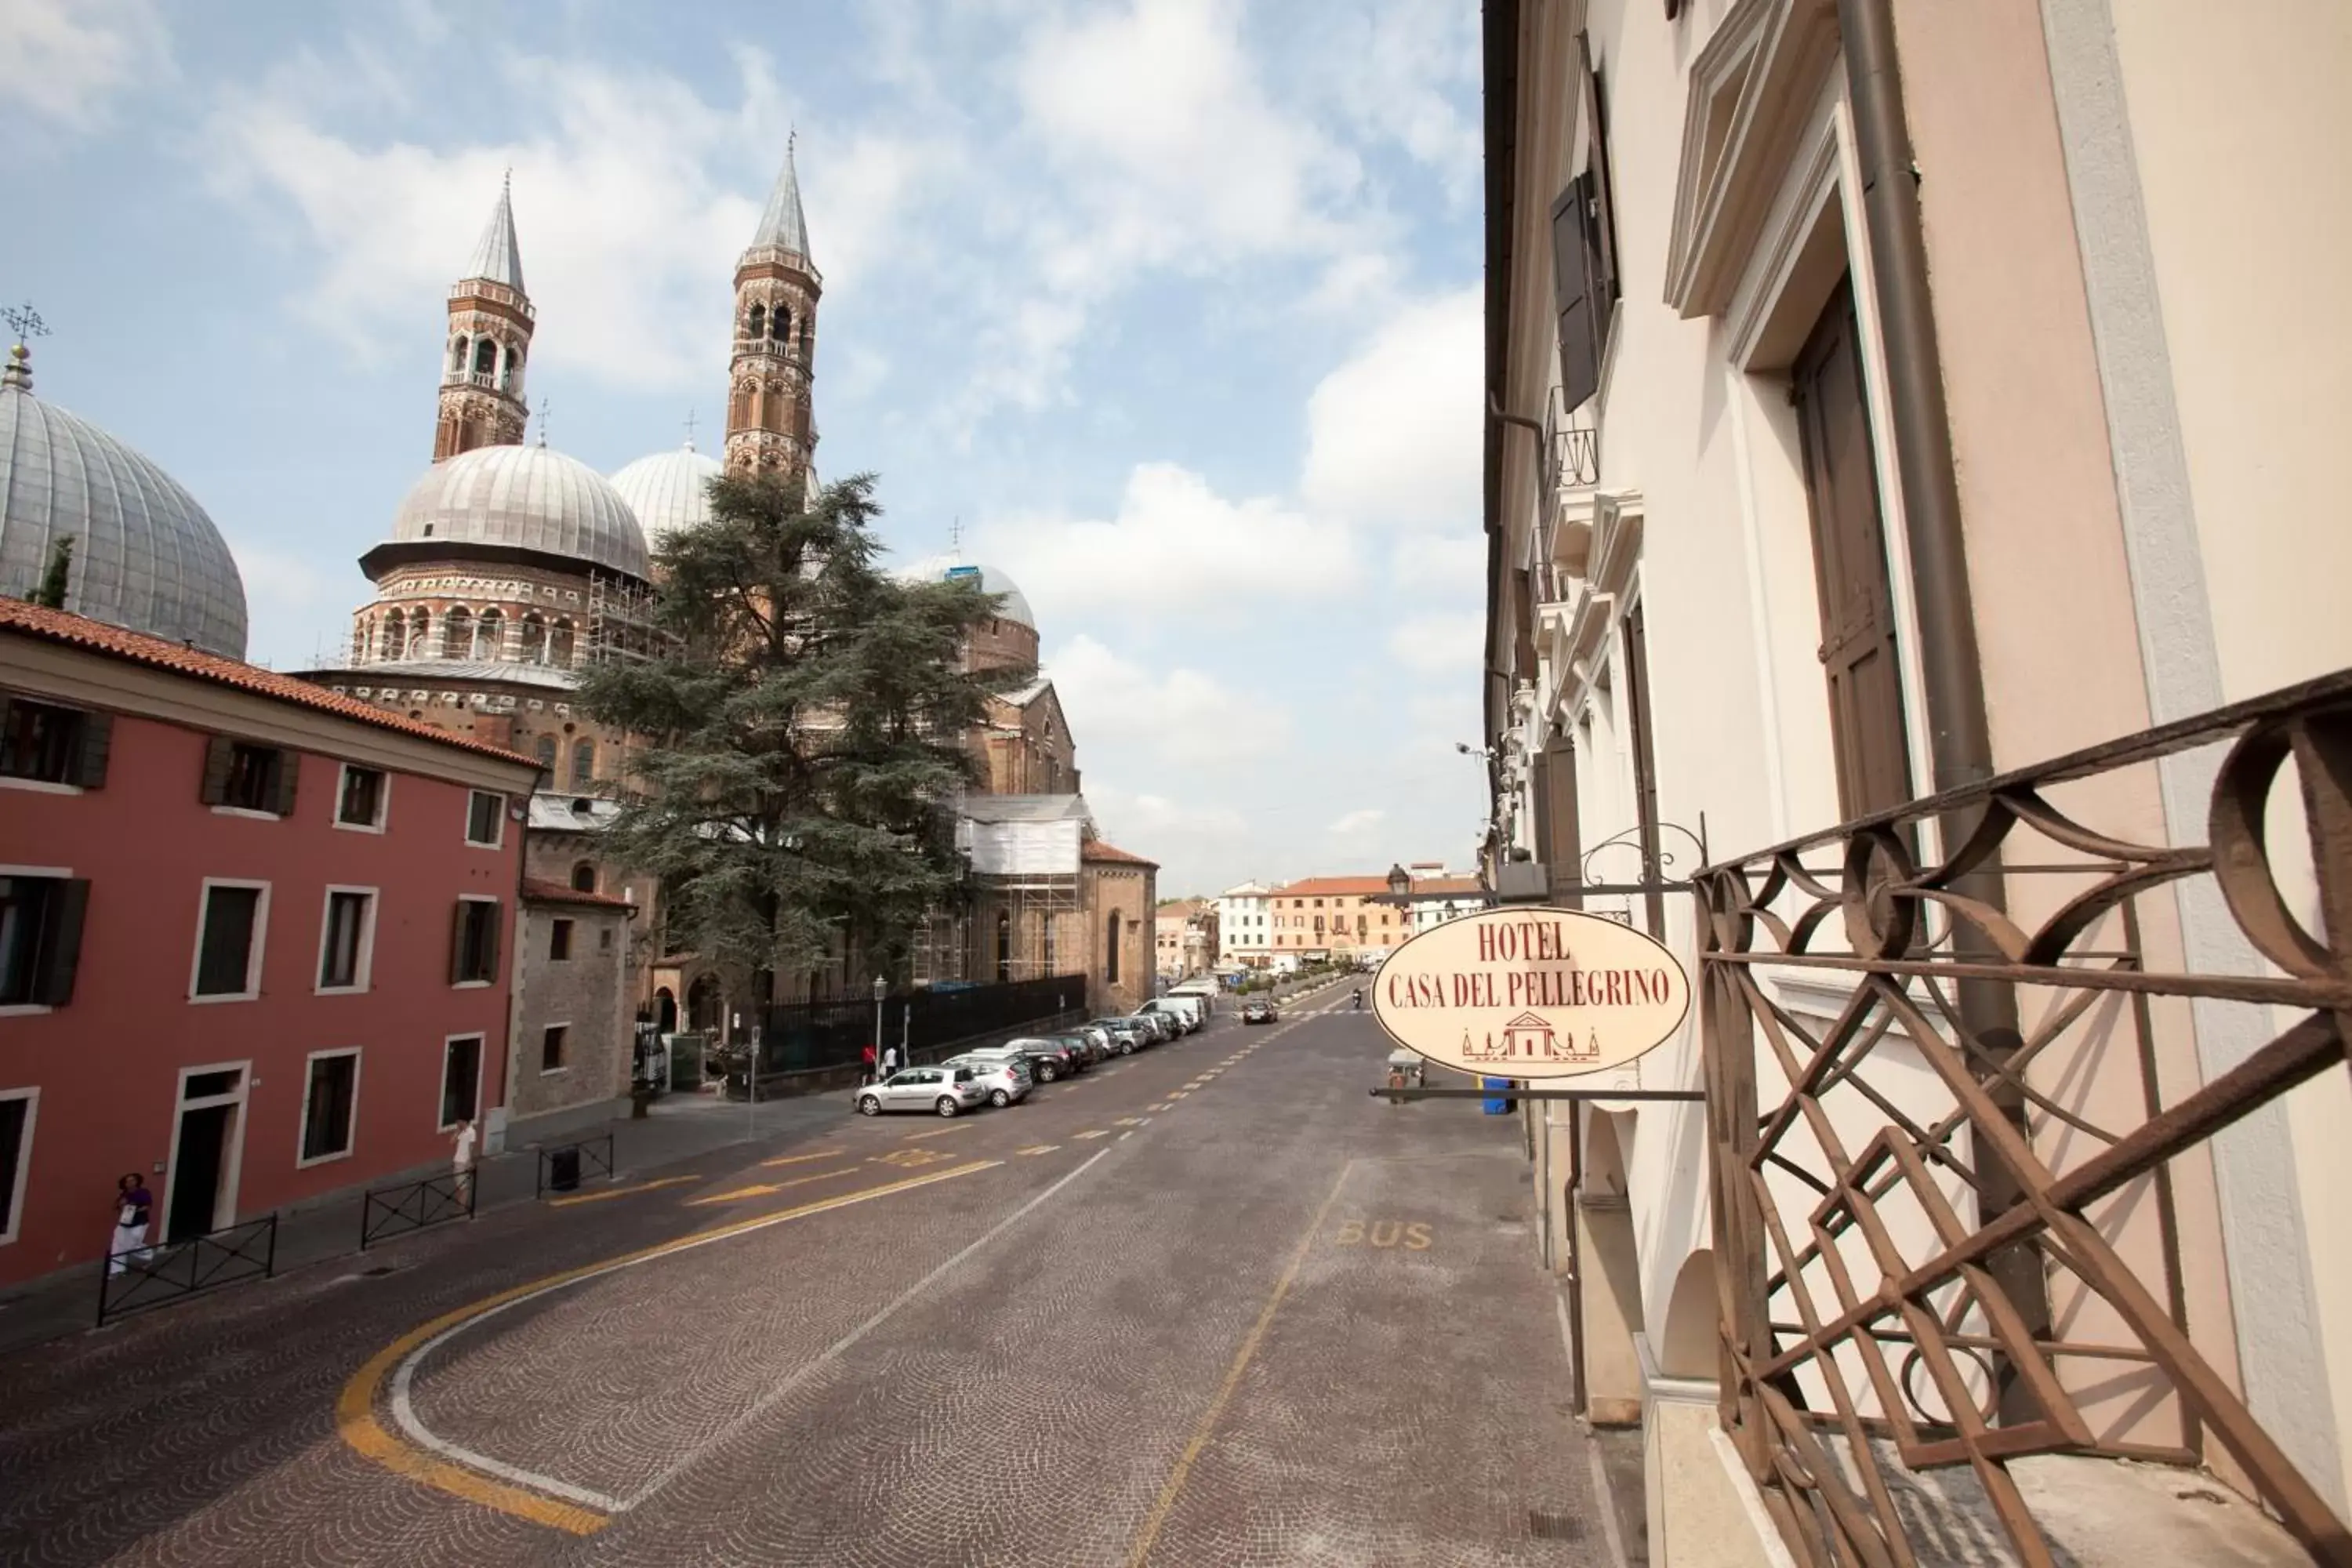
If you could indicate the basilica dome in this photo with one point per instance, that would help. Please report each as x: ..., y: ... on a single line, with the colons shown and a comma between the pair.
x: 993, y: 580
x: 669, y: 490
x: 523, y: 498
x: 145, y: 556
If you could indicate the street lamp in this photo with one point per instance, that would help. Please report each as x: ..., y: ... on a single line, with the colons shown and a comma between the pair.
x: 881, y: 990
x: 1399, y: 882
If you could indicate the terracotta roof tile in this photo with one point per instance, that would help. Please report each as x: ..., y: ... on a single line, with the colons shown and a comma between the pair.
x: 558, y: 893
x: 1345, y: 886
x: 97, y: 637
x: 1095, y: 849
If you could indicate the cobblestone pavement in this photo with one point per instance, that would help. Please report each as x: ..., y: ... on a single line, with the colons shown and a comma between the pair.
x: 1210, y: 1305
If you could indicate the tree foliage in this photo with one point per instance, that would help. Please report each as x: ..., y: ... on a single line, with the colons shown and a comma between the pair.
x: 804, y: 723
x: 57, y: 576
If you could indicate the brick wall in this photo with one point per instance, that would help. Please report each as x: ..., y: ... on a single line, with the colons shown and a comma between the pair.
x: 584, y: 992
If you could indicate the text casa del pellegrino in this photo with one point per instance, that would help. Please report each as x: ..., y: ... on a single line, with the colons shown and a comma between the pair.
x: 1534, y: 944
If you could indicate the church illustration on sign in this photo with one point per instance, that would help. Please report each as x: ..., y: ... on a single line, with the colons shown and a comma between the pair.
x: 1528, y: 1037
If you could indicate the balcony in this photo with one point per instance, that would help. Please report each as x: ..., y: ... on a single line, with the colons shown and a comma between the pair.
x: 1571, y: 459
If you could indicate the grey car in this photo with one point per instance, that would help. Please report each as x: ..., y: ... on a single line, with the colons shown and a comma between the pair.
x: 942, y: 1090
x: 1127, y: 1036
x: 1164, y: 1026
x: 1002, y: 1077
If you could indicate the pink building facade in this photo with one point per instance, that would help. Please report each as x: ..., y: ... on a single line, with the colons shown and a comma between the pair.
x: 256, y: 938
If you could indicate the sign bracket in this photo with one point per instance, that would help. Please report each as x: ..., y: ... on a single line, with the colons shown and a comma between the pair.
x: 1515, y: 1092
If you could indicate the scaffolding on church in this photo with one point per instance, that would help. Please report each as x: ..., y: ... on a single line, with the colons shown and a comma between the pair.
x: 1023, y: 853
x: 621, y: 622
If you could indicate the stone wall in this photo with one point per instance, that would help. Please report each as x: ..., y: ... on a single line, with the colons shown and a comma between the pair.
x: 586, y: 993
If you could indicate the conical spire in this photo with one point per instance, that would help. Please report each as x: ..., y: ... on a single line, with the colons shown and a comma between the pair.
x: 498, y: 257
x: 783, y: 224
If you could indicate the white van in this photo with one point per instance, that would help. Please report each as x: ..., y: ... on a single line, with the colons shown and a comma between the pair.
x: 1192, y: 1011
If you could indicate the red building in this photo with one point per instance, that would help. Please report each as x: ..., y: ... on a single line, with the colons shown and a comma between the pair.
x: 255, y: 936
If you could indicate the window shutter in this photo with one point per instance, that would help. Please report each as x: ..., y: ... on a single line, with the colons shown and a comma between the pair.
x: 490, y: 941
x: 1601, y: 233
x: 96, y: 745
x: 220, y: 752
x: 53, y: 986
x: 458, y: 944
x: 282, y: 779
x: 1571, y: 291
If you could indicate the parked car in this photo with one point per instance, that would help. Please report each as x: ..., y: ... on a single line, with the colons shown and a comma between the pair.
x: 1126, y: 1035
x: 1191, y: 1012
x: 1259, y: 1013
x: 1092, y: 1046
x: 1164, y: 1026
x: 1048, y: 1059
x: 943, y: 1090
x: 1004, y: 1078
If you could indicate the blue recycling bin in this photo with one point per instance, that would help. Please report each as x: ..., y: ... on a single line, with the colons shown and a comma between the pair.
x: 1495, y: 1104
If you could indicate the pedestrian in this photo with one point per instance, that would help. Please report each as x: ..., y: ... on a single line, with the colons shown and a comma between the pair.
x: 133, y: 1205
x: 461, y: 1163
x: 889, y: 1061
x: 866, y: 1064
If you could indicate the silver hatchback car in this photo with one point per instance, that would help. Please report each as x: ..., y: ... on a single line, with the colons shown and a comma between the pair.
x: 1004, y: 1079
x: 942, y: 1090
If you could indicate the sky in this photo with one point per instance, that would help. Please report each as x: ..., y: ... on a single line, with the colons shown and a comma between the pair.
x: 1168, y: 309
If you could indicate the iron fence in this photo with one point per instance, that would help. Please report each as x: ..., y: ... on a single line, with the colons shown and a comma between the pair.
x: 564, y: 1167
x: 155, y: 1276
x: 1952, y: 1108
x: 412, y: 1205
x: 801, y: 1037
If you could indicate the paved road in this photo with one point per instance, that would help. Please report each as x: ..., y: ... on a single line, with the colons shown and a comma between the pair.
x: 1211, y: 1305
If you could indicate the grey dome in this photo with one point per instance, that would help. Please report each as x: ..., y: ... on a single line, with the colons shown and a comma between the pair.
x: 524, y: 497
x: 669, y: 490
x: 993, y: 580
x: 145, y: 556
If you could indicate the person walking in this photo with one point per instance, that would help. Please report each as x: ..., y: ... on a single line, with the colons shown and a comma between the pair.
x: 461, y: 1161
x: 889, y: 1061
x: 866, y: 1063
x: 133, y: 1204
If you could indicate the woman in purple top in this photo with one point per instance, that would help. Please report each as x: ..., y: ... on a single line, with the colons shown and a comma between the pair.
x: 132, y: 1203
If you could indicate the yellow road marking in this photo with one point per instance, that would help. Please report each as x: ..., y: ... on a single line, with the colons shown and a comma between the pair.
x: 1180, y: 1094
x: 938, y: 1131
x: 1176, y: 1478
x: 800, y: 1159
x: 1131, y: 1120
x: 1094, y: 1132
x: 756, y: 1189
x: 1039, y: 1149
x: 355, y: 1419
x: 619, y: 1192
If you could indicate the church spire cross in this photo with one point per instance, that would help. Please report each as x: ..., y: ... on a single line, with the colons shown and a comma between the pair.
x: 542, y: 421
x: 25, y: 322
x: 498, y: 257
x: 783, y: 224
x: 689, y: 429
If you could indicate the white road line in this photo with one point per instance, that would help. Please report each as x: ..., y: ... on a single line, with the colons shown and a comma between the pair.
x: 404, y: 1410
x: 834, y: 1352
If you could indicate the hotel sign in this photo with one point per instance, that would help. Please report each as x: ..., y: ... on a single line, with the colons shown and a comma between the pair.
x: 1531, y: 993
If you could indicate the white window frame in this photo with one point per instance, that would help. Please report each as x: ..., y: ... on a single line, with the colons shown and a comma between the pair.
x: 493, y: 980
x: 56, y: 873
x: 231, y: 1149
x: 498, y: 840
x: 302, y: 1133
x: 382, y: 799
x: 252, y: 990
x: 19, y: 1179
x: 565, y: 1067
x: 365, y: 969
x: 440, y: 1079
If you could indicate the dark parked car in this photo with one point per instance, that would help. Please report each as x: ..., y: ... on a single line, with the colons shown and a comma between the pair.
x: 1049, y: 1059
x: 1089, y: 1049
x: 1259, y: 1013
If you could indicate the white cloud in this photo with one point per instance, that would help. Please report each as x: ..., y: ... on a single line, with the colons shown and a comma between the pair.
x: 1179, y: 539
x: 1177, y: 713
x: 1393, y: 434
x: 627, y: 229
x: 1356, y: 824
x: 1442, y: 565
x: 1441, y: 645
x: 65, y: 60
x: 1391, y: 72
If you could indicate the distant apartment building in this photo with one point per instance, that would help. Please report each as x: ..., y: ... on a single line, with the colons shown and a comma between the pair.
x: 1244, y: 937
x: 255, y: 937
x: 1185, y: 938
x: 1441, y: 895
x: 1336, y: 918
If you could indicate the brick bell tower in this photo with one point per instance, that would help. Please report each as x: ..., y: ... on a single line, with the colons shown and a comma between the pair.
x: 489, y: 337
x: 771, y: 425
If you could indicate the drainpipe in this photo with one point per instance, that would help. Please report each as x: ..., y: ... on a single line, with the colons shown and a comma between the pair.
x: 1959, y: 737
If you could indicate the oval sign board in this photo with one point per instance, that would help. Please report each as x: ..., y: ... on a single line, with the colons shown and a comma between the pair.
x: 1531, y: 993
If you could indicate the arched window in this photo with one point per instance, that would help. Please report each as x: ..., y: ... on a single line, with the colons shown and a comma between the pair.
x: 583, y: 877
x: 359, y: 642
x: 781, y: 327
x: 456, y: 353
x: 756, y: 326
x: 395, y: 635
x: 559, y: 645
x: 1110, y: 949
x: 584, y: 764
x: 490, y: 636
x: 457, y: 634
x: 545, y: 750
x: 420, y: 634
x: 534, y: 639
x: 485, y: 357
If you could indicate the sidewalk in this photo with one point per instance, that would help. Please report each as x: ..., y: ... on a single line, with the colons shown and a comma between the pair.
x: 677, y: 1128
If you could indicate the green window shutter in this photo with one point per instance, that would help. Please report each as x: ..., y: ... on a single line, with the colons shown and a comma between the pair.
x: 220, y: 752
x: 458, y: 944
x: 283, y: 778
x: 60, y: 950
x: 97, y: 744
x: 1572, y: 289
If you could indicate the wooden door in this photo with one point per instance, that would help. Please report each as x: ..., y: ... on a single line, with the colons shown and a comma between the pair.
x: 1857, y: 649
